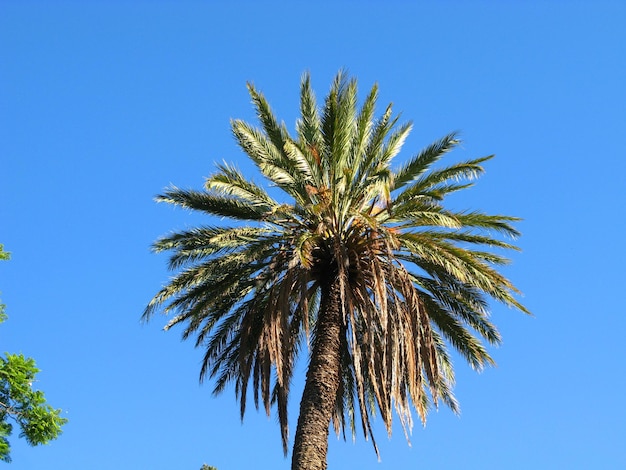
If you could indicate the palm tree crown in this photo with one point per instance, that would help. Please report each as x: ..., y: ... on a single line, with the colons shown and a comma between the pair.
x: 363, y: 269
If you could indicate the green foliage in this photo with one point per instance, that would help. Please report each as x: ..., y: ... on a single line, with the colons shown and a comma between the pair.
x: 3, y: 256
x: 413, y: 277
x: 207, y: 467
x: 39, y: 423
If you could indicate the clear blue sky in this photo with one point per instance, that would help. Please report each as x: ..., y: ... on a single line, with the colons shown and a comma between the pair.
x: 104, y: 104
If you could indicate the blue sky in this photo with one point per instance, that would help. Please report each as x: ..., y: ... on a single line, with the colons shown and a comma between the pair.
x: 103, y: 104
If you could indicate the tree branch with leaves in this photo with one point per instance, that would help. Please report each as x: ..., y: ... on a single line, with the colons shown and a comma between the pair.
x: 20, y: 404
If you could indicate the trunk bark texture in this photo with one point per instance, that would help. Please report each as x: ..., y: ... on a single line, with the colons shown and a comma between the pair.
x: 322, y: 382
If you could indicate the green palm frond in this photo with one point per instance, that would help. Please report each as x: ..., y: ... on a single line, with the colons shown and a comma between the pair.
x: 419, y: 164
x: 213, y: 204
x: 276, y: 133
x: 229, y: 181
x: 497, y: 223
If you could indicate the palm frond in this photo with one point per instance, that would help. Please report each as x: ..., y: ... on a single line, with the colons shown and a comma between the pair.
x: 419, y: 164
x: 211, y: 204
x: 230, y: 182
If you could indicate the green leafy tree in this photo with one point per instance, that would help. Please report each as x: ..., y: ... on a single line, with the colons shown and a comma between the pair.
x: 39, y: 423
x: 357, y: 265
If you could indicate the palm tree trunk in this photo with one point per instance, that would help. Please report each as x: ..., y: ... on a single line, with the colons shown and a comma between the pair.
x: 322, y: 382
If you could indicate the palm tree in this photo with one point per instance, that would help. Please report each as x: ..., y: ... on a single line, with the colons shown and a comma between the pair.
x: 358, y: 265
